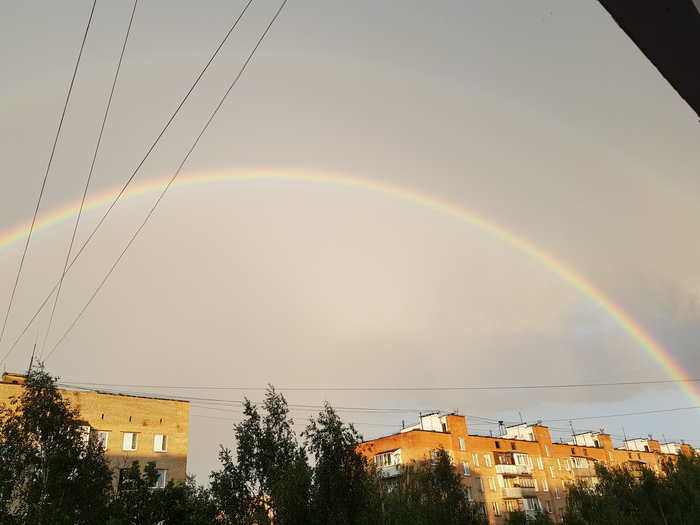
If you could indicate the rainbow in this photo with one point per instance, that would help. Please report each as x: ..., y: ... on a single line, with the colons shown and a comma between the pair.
x: 578, y: 282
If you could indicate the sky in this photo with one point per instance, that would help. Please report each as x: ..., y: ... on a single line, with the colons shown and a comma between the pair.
x: 400, y: 207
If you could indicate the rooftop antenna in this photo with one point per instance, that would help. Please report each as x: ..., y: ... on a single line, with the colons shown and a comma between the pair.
x: 573, y: 434
x: 625, y: 435
x: 521, y: 418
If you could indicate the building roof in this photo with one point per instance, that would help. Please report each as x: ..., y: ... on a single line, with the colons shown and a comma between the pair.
x: 668, y: 33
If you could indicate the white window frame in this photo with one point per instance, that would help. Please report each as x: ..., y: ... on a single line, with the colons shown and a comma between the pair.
x: 131, y: 439
x: 539, y: 463
x: 470, y: 493
x: 465, y: 468
x: 545, y: 486
x: 102, y: 438
x: 552, y: 473
x: 496, y: 510
x: 479, y: 484
x: 547, y: 452
x: 160, y: 443
x: 557, y: 494
x: 492, y: 484
x: 462, y: 443
x: 161, y: 481
x: 475, y: 459
x: 487, y: 460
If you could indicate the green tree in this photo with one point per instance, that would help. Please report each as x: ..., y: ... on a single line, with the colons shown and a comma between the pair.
x: 430, y: 492
x: 345, y: 487
x: 519, y: 517
x: 271, y: 478
x: 51, y: 472
x: 641, y: 497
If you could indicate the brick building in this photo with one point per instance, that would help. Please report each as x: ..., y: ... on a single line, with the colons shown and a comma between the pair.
x: 129, y: 427
x: 519, y: 470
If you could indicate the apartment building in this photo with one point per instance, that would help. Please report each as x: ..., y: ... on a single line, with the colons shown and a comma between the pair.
x: 522, y: 469
x: 130, y: 428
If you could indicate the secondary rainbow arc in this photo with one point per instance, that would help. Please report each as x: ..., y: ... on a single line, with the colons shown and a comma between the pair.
x: 631, y: 325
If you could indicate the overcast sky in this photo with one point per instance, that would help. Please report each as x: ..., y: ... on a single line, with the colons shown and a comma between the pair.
x: 540, y: 118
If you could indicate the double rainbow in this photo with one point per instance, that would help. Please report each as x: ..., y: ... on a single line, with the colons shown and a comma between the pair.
x: 638, y: 332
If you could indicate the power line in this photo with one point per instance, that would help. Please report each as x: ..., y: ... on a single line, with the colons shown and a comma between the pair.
x: 172, y: 179
x: 393, y: 389
x: 131, y: 178
x: 46, y: 176
x: 89, y: 177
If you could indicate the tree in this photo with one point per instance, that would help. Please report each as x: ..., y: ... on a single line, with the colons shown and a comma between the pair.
x: 520, y: 517
x: 640, y: 497
x: 271, y: 479
x: 138, y: 503
x: 345, y: 487
x: 431, y: 492
x: 51, y: 471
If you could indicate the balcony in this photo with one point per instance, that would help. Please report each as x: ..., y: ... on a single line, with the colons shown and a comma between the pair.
x: 518, y: 492
x: 513, y: 470
x: 584, y: 472
x: 390, y: 471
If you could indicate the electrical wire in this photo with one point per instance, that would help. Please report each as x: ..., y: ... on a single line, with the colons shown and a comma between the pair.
x: 46, y: 176
x: 131, y: 178
x: 89, y: 178
x: 391, y: 389
x: 172, y: 179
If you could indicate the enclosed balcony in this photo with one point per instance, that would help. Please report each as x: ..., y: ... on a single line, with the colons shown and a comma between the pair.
x: 518, y: 492
x: 513, y: 470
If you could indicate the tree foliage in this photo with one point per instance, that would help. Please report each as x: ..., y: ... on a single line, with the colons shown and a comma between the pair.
x: 50, y: 471
x: 345, y: 487
x: 625, y: 497
x: 271, y: 479
x: 431, y: 492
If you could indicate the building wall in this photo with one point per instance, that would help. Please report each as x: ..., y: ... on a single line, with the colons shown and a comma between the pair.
x: 119, y: 414
x: 550, y: 466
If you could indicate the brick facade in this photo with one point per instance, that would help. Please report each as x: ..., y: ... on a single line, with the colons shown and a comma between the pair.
x: 113, y: 416
x: 519, y: 470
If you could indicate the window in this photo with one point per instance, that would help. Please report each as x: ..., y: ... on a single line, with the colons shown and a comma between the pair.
x: 465, y: 468
x: 585, y: 452
x: 386, y: 459
x: 498, y: 444
x: 160, y: 443
x: 479, y: 484
x: 496, y: 510
x: 561, y: 512
x: 487, y: 460
x: 101, y: 437
x: 546, y: 451
x: 534, y: 482
x: 558, y: 464
x: 539, y: 463
x: 567, y: 465
x: 510, y: 506
x: 433, y: 456
x: 470, y: 493
x: 551, y: 471
x: 130, y: 441
x: 512, y: 445
x: 573, y: 451
x: 545, y: 486
x: 492, y: 484
x: 475, y: 459
x: 557, y: 494
x: 548, y: 506
x: 462, y: 445
x: 482, y: 507
x: 610, y: 455
x: 160, y: 482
